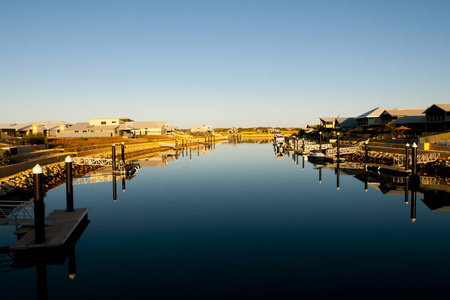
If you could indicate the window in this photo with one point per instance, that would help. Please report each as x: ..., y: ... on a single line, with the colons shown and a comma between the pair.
x: 113, y: 122
x: 103, y: 122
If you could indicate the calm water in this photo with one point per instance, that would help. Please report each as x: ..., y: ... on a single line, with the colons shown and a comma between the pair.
x: 240, y: 223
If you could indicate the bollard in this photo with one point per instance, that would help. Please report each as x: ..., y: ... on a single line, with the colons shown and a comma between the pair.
x: 366, y: 153
x: 122, y: 146
x: 69, y: 186
x: 39, y: 208
x: 407, y: 156
x: 414, y: 159
x: 320, y: 141
x: 113, y: 157
x: 337, y: 148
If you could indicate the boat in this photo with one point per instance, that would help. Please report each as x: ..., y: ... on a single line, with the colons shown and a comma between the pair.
x: 278, y: 140
x: 316, y: 156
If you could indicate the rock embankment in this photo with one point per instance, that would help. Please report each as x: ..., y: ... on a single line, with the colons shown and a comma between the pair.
x: 54, y: 175
x: 439, y: 167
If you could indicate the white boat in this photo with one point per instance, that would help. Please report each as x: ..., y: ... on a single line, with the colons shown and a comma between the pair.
x: 278, y: 140
x: 316, y: 156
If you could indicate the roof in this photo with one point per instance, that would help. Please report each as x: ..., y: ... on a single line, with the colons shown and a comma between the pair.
x: 374, y: 113
x: 444, y: 107
x: 153, y: 124
x: 49, y: 124
x: 79, y: 126
x: 122, y: 119
x: 397, y: 112
x: 327, y: 119
x: 14, y: 126
x: 347, y: 123
x: 409, y: 120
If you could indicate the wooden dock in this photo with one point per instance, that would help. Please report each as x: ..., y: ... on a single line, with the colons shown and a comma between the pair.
x: 64, y: 224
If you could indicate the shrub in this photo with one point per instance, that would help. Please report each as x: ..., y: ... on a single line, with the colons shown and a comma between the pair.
x: 3, y: 158
x: 38, y: 138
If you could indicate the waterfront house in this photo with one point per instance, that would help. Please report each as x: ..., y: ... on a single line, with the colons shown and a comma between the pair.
x: 327, y: 123
x: 416, y: 123
x: 149, y: 128
x: 48, y: 128
x: 390, y: 115
x: 437, y: 118
x: 202, y: 129
x: 370, y: 118
x: 99, y: 127
x: 345, y: 123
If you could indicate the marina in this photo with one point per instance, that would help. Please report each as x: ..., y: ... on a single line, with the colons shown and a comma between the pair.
x: 285, y: 221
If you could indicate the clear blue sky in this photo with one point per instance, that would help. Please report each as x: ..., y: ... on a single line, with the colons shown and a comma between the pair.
x: 223, y: 63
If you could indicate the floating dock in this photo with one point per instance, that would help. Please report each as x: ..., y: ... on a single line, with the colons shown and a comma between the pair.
x: 388, y: 170
x: 63, y: 225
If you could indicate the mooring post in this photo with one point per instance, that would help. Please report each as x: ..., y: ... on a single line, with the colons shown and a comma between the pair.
x: 414, y: 158
x: 303, y: 150
x: 320, y: 141
x: 39, y: 208
x: 122, y: 146
x: 69, y: 186
x: 407, y: 156
x: 337, y: 148
x: 366, y: 153
x: 113, y: 157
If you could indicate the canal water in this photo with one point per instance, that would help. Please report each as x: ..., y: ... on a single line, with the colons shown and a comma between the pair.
x: 240, y: 222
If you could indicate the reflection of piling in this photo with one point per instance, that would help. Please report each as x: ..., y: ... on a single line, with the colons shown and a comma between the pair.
x: 320, y: 141
x: 176, y: 143
x: 337, y: 148
x: 366, y: 180
x: 303, y: 162
x: 123, y: 184
x: 114, y: 188
x: 39, y: 208
x: 72, y: 263
x: 69, y: 186
x: 337, y: 177
x: 41, y: 281
x: 406, y: 190
x: 320, y: 175
x: 413, y: 206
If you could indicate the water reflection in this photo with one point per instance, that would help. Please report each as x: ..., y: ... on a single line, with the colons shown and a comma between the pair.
x: 435, y: 190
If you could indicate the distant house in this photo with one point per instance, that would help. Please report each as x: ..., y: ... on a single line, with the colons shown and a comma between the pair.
x: 390, y: 115
x: 233, y: 130
x: 99, y: 127
x: 48, y: 128
x: 437, y: 118
x: 202, y: 129
x: 149, y: 128
x: 328, y: 123
x: 370, y: 118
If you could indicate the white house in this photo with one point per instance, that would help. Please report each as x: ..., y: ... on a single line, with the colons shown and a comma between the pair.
x: 202, y: 129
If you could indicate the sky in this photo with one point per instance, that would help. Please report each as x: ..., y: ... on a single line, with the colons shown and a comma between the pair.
x: 223, y: 63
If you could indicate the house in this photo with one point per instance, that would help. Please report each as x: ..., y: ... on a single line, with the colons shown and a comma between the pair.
x: 48, y: 128
x: 437, y: 118
x: 370, y: 118
x: 327, y: 123
x: 99, y: 127
x: 202, y: 129
x: 149, y: 128
x: 345, y: 123
x: 416, y: 123
x: 390, y: 115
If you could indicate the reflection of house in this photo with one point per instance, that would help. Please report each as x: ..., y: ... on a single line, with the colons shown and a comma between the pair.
x: 390, y: 115
x: 48, y: 128
x: 233, y: 130
x: 104, y: 127
x: 437, y: 118
x: 156, y: 161
x: 370, y: 118
x: 202, y: 129
x: 149, y: 128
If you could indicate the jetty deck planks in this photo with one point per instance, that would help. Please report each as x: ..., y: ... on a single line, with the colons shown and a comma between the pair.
x: 64, y: 223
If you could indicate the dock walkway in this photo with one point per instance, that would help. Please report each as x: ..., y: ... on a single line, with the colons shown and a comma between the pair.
x: 64, y: 223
